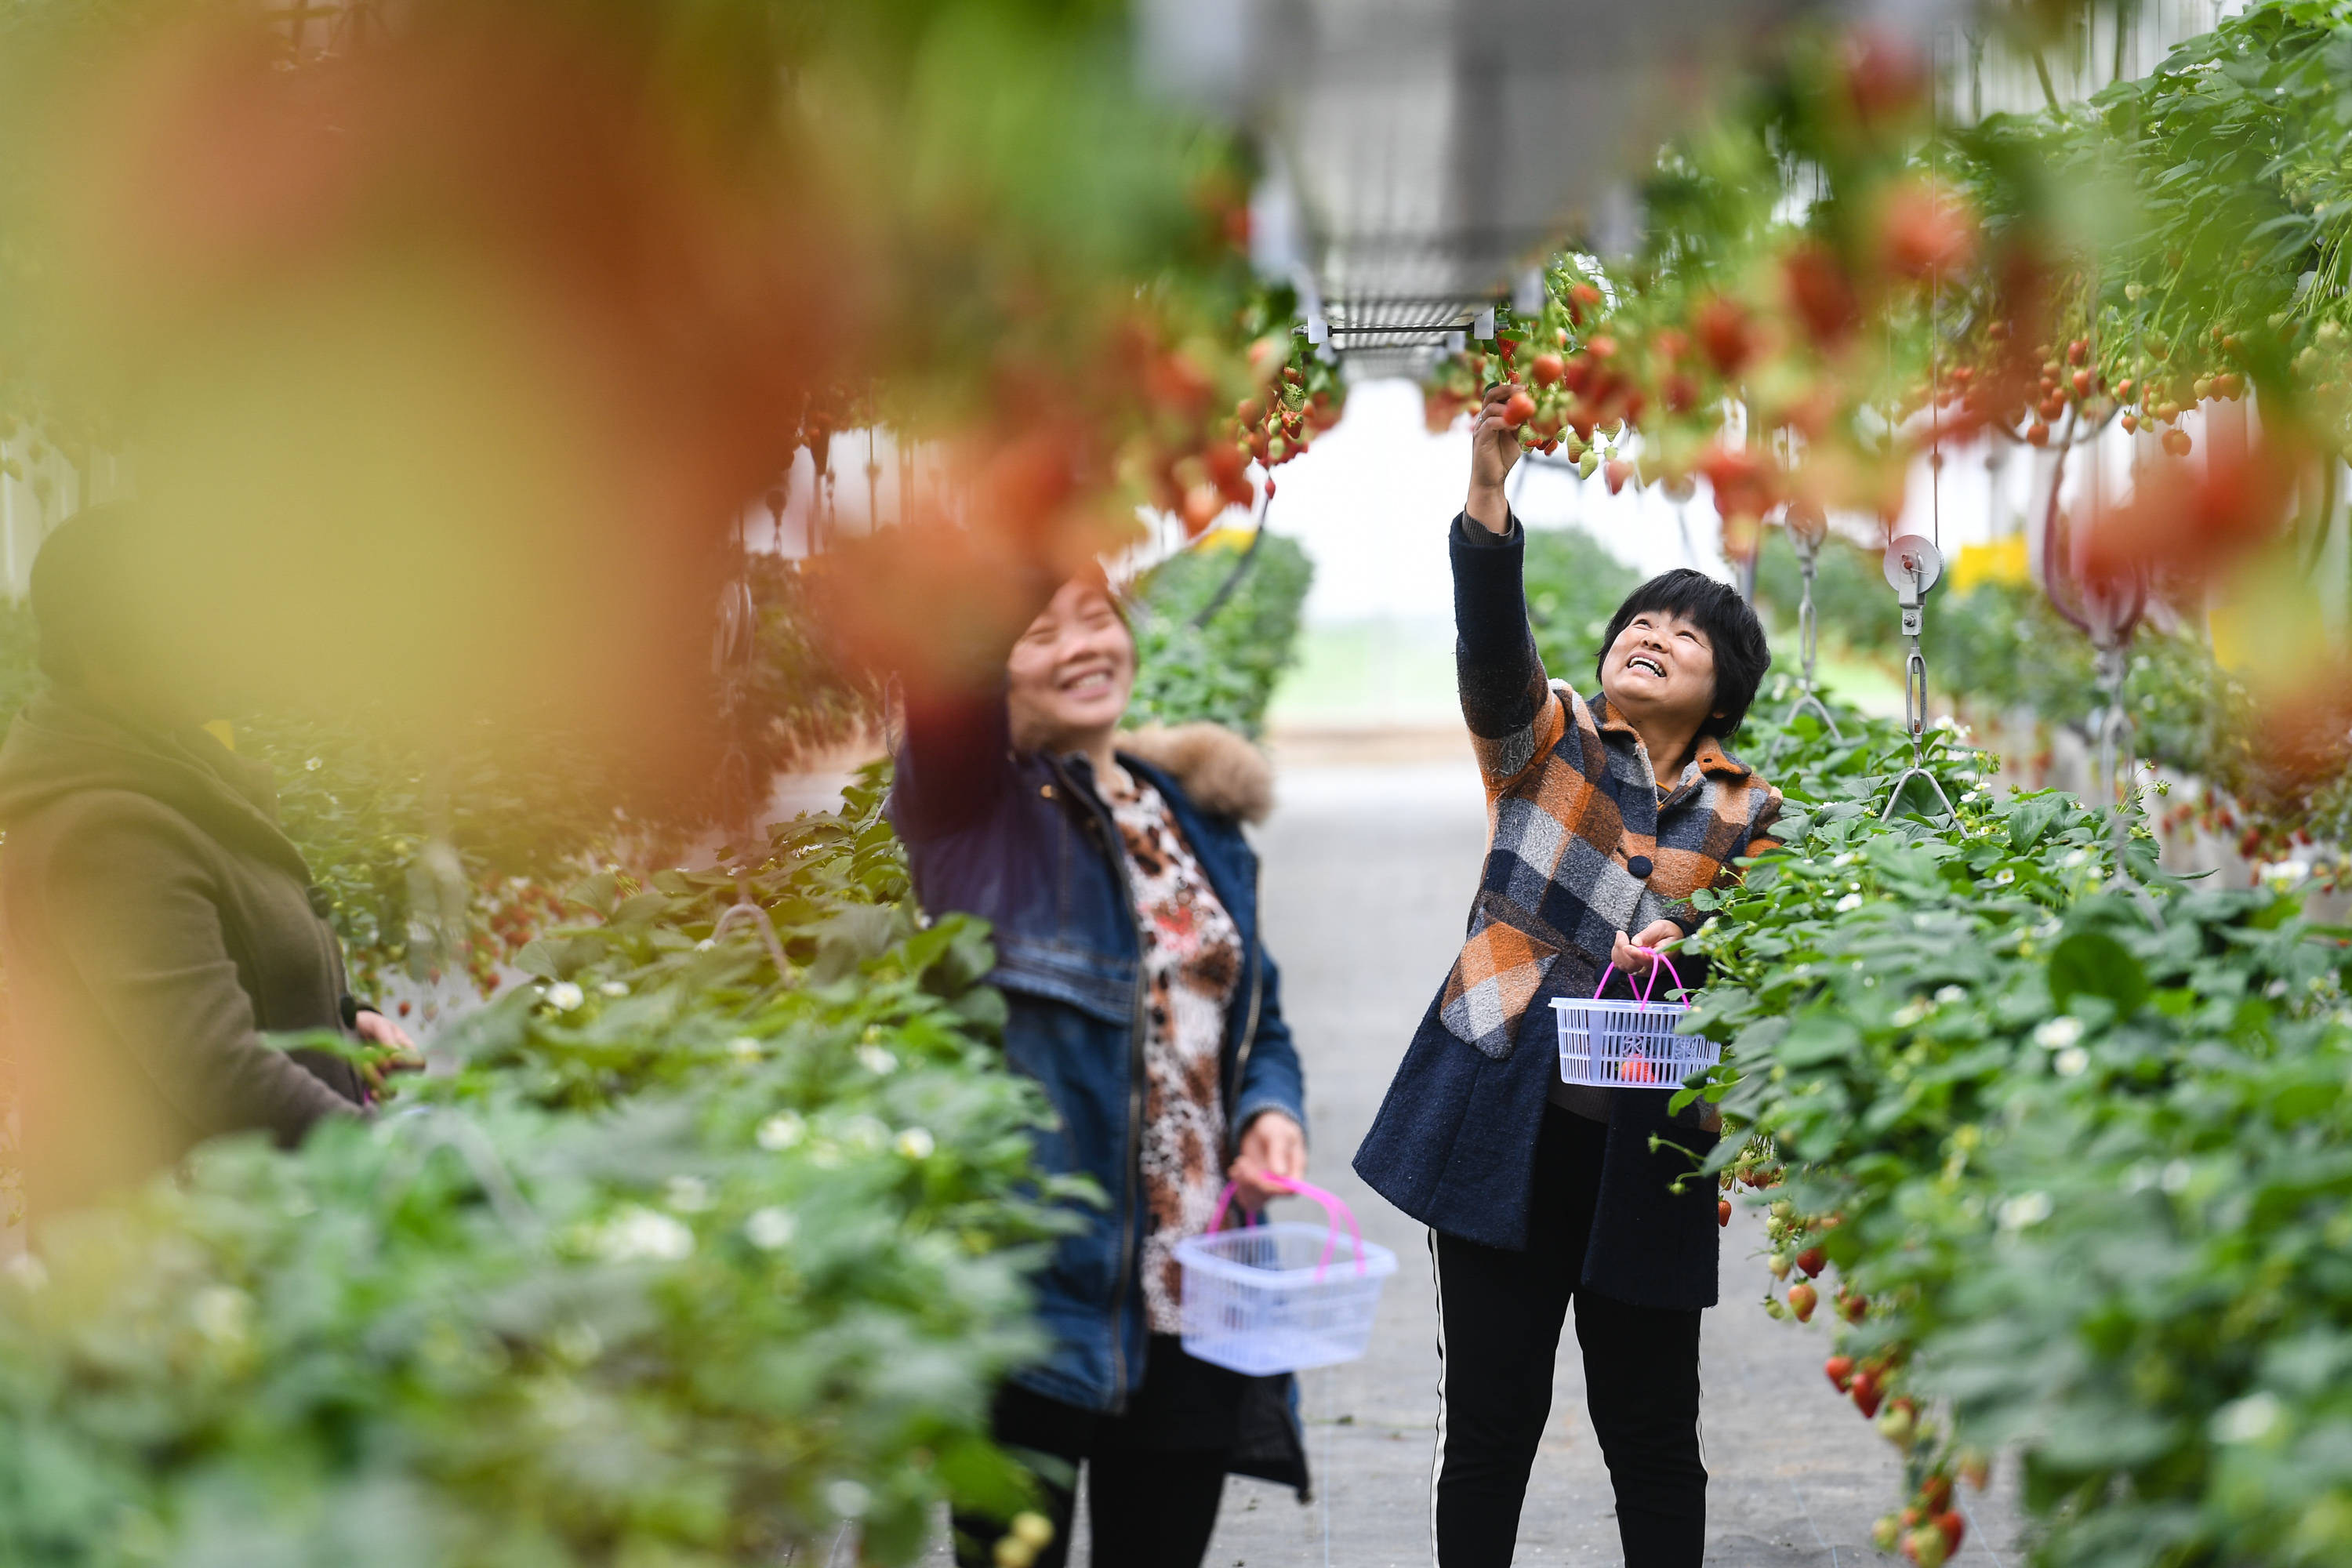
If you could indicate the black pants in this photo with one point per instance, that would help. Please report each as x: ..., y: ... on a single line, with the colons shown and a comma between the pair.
x: 1155, y: 1474
x: 1500, y: 1315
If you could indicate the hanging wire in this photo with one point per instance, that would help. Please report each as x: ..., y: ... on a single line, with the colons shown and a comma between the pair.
x: 734, y: 654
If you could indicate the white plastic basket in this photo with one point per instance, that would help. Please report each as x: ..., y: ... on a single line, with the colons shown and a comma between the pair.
x: 1281, y: 1298
x: 1628, y: 1045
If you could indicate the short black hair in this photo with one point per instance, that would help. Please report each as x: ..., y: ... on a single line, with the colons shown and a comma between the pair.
x: 90, y: 588
x: 1742, y: 654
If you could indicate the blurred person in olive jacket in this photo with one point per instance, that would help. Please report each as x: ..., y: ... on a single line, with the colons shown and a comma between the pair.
x: 154, y: 921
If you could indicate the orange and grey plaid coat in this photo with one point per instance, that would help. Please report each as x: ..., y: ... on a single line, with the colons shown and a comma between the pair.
x: 1579, y: 844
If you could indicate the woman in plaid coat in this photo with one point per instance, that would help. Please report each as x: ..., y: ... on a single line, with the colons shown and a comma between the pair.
x: 1604, y: 818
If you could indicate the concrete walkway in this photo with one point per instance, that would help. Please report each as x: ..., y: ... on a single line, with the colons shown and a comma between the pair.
x: 1369, y: 874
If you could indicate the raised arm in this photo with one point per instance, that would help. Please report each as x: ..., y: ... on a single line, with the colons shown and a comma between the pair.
x: 1505, y: 700
x: 953, y: 764
x: 955, y: 760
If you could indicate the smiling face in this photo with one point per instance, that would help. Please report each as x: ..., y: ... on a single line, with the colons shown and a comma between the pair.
x: 1071, y: 672
x: 1661, y: 666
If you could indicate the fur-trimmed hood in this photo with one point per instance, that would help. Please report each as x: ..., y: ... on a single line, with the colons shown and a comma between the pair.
x: 1225, y: 773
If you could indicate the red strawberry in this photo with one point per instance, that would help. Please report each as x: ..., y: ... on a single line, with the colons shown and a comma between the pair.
x: 1582, y: 298
x: 1853, y: 1309
x: 1548, y: 370
x: 1925, y: 232
x: 1953, y: 1526
x: 1840, y: 1369
x: 2037, y: 434
x: 1723, y: 1211
x: 1617, y: 470
x: 2082, y: 380
x: 1723, y: 336
x: 1935, y: 1495
x: 1812, y: 1262
x: 1821, y: 294
x: 1802, y: 1300
x: 1867, y: 1393
x: 2176, y: 442
x: 2077, y: 351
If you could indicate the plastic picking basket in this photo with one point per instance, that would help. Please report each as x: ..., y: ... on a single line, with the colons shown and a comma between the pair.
x: 1284, y: 1297
x: 1628, y: 1045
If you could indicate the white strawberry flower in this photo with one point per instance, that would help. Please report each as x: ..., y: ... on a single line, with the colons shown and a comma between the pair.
x: 917, y: 1143
x: 564, y: 995
x: 2248, y: 1420
x: 782, y: 1131
x: 2025, y: 1210
x: 636, y: 1232
x: 770, y: 1228
x: 2057, y: 1033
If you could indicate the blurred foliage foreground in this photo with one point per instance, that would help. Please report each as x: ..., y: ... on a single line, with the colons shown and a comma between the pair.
x: 688, y: 1261
x: 2061, y: 1146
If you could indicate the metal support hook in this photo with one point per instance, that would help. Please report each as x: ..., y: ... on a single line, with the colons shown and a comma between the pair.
x: 757, y: 919
x: 1806, y: 533
x: 1913, y: 566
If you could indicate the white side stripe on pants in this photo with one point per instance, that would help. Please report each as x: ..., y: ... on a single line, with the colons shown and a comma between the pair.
x: 1437, y: 1460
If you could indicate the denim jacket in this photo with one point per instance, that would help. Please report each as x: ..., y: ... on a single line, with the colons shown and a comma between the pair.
x: 1022, y: 839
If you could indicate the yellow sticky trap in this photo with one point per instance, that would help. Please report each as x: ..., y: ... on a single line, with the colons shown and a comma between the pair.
x: 1225, y: 538
x: 2000, y: 561
x: 219, y: 729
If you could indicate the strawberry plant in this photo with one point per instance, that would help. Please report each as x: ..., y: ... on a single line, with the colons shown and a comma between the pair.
x: 690, y: 1261
x: 2072, y: 1151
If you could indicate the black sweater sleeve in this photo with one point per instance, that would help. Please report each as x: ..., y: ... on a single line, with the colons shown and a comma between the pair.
x: 1501, y: 674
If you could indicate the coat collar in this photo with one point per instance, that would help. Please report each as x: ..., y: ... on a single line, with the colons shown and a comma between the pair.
x: 1708, y: 756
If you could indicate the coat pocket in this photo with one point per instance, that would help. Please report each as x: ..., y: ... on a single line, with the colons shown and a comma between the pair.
x: 1491, y: 985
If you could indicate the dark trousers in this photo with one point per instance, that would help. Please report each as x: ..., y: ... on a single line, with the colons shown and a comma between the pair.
x: 1500, y: 1315
x: 1155, y: 1474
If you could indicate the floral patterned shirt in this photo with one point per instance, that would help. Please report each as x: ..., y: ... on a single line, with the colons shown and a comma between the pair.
x: 1191, y: 965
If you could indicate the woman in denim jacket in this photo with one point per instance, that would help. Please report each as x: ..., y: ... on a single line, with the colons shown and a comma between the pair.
x: 1124, y: 901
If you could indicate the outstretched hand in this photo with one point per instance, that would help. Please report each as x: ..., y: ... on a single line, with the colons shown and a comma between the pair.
x: 390, y: 1049
x: 1494, y: 449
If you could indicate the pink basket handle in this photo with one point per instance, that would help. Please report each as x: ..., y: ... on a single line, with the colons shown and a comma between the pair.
x: 1657, y: 953
x: 1334, y: 1206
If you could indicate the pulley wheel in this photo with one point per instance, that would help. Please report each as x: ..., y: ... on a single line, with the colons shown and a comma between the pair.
x: 1911, y: 554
